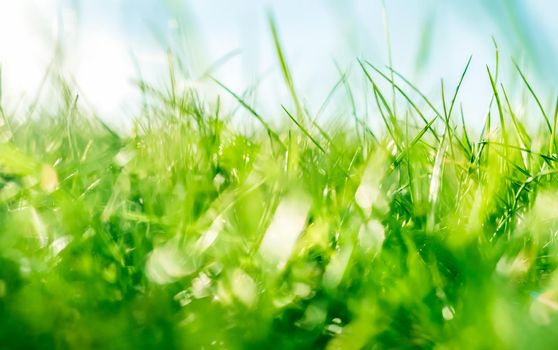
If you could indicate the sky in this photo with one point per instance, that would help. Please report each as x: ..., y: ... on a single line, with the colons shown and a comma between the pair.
x: 103, y: 46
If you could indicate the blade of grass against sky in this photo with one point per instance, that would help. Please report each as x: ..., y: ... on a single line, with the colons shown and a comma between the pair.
x: 101, y: 35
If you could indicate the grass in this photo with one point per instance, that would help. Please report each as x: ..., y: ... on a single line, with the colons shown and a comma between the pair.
x: 191, y: 234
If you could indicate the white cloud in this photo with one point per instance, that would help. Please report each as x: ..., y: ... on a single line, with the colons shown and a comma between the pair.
x: 24, y: 47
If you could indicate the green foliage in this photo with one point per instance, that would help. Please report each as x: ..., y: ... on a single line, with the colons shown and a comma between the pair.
x: 190, y: 234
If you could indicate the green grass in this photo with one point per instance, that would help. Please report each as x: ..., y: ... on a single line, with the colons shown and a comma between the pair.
x: 425, y: 233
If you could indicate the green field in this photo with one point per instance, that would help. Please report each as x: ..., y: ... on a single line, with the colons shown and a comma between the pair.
x: 302, y: 232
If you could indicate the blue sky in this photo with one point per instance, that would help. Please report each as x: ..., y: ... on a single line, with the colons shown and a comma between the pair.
x: 103, y: 38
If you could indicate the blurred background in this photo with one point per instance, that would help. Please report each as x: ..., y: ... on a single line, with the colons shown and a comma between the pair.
x: 105, y: 46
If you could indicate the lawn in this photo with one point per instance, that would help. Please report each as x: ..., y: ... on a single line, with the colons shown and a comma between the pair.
x: 188, y: 233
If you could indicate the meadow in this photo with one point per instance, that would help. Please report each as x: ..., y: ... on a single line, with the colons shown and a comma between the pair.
x: 187, y: 233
